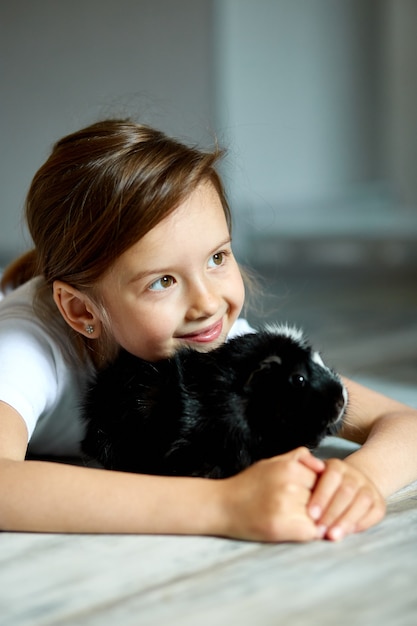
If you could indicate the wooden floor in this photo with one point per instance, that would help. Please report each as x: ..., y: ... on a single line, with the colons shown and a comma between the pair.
x: 367, y: 327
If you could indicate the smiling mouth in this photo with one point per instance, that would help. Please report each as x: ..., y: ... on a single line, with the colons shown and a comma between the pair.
x: 207, y: 335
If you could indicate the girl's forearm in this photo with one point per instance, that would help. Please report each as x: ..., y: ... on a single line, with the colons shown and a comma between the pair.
x: 387, y: 432
x: 266, y: 502
x: 53, y: 497
x: 388, y: 456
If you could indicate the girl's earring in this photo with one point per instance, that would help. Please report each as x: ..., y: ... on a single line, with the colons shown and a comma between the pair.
x: 89, y: 329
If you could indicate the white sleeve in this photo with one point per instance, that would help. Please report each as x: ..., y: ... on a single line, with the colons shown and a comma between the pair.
x: 240, y: 327
x: 28, y: 377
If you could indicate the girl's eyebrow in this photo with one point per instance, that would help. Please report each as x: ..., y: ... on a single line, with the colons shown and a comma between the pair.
x: 145, y: 274
x: 163, y: 271
x: 221, y: 245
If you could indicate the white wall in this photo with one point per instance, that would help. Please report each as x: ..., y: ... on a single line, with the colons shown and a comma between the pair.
x: 399, y: 97
x: 317, y: 100
x: 296, y: 90
x: 65, y: 62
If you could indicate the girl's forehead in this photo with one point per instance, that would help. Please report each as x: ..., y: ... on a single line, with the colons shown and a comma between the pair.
x: 202, y: 204
x: 197, y: 225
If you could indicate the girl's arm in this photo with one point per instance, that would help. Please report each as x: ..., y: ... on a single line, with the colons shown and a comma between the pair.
x: 266, y: 502
x: 349, y: 497
x: 388, y: 431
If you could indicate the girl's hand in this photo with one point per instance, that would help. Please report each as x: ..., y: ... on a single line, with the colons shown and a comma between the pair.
x: 268, y: 501
x: 344, y: 501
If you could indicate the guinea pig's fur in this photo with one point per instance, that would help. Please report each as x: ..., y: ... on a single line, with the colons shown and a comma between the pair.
x: 212, y: 414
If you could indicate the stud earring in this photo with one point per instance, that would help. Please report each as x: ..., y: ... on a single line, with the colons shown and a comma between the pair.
x: 89, y: 329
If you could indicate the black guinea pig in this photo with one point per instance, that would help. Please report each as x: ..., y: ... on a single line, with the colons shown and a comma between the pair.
x: 212, y: 414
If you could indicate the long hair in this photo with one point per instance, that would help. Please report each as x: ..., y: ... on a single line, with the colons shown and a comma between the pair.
x: 100, y: 191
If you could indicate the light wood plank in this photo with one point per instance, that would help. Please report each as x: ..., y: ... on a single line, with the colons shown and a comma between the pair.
x: 99, y: 580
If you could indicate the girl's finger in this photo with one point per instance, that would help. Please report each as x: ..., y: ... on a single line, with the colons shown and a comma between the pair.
x: 305, y: 457
x: 375, y: 514
x: 347, y: 522
x: 324, y: 492
x: 341, y: 502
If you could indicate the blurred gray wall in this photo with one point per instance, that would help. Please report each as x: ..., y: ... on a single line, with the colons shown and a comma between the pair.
x: 66, y: 62
x: 318, y: 102
x: 315, y: 100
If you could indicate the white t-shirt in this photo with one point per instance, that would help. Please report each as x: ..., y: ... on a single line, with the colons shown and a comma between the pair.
x: 38, y: 379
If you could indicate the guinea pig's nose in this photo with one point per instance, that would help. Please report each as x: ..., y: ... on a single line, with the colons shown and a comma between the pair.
x: 297, y: 379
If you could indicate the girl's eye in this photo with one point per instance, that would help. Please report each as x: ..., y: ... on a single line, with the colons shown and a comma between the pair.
x: 162, y: 283
x: 217, y: 259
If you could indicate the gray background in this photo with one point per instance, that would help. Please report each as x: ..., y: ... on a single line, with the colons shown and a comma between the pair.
x: 315, y: 100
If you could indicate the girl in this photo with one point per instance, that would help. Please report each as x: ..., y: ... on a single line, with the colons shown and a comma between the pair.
x: 133, y: 248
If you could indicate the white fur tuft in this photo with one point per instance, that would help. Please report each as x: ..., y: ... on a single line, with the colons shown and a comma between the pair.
x: 292, y: 332
x: 316, y: 357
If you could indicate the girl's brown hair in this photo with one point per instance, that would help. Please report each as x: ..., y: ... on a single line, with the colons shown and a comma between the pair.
x: 101, y: 190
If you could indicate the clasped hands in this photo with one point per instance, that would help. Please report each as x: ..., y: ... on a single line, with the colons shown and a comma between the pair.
x: 298, y: 497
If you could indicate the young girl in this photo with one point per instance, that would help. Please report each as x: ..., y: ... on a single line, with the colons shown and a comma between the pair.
x: 133, y: 248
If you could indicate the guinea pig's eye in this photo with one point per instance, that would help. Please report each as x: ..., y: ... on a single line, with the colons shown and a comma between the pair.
x: 298, y: 380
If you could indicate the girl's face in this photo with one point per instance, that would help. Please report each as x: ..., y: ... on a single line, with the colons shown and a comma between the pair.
x: 179, y: 285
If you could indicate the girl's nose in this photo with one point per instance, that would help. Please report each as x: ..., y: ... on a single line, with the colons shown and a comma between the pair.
x: 203, y: 301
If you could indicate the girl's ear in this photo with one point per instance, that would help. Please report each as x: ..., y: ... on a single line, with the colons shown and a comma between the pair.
x: 77, y: 310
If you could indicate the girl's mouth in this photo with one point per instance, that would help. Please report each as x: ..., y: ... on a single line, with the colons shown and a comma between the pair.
x: 207, y: 335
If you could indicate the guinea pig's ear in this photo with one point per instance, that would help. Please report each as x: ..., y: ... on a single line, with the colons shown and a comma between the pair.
x: 267, y: 363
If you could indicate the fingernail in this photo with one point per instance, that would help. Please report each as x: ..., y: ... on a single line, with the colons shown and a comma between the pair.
x: 321, y: 531
x: 336, y: 533
x: 315, y: 512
